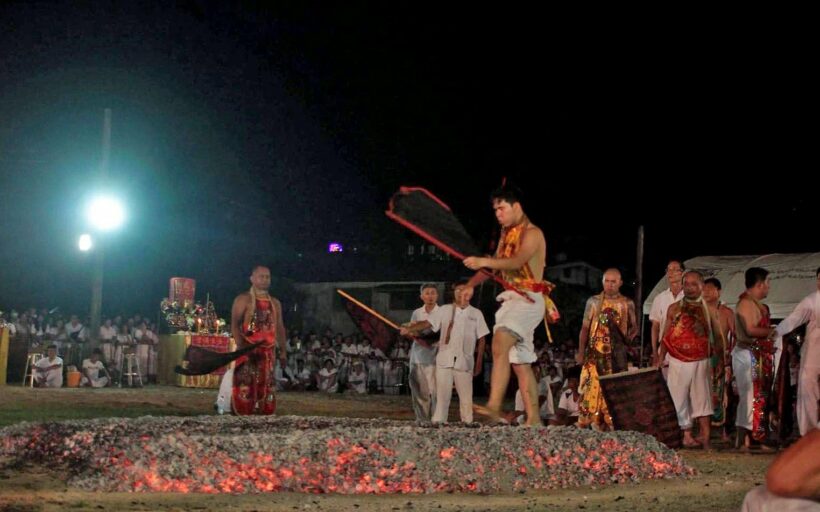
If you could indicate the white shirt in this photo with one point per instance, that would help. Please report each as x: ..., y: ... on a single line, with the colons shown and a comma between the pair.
x: 107, y: 334
x: 71, y: 329
x: 418, y: 353
x: 468, y: 326
x: 44, y: 363
x: 327, y: 382
x: 660, y: 305
x: 139, y: 334
x: 358, y: 381
x: 349, y: 349
x: 92, y: 369
x: 806, y: 312
x: 568, y: 404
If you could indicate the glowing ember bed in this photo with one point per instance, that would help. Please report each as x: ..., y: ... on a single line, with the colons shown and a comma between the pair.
x: 331, y: 455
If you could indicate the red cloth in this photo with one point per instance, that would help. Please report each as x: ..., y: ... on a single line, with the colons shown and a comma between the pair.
x: 688, y: 336
x: 254, y: 384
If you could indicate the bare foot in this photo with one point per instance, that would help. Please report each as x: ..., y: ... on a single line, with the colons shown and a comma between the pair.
x: 492, y: 415
x: 691, y: 443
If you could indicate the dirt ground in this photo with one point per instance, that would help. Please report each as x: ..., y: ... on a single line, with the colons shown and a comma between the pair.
x: 723, y: 476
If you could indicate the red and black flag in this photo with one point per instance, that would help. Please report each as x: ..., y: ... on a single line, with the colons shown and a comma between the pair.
x: 426, y: 215
x: 381, y: 332
x: 202, y: 361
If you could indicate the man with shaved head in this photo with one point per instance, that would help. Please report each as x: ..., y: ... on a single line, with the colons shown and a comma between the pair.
x: 608, y: 318
x: 692, y: 334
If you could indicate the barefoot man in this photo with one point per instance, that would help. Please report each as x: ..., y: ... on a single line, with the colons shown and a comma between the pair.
x: 520, y: 258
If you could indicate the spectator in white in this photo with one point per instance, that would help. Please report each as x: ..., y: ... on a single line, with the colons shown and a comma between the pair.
x: 48, y: 371
x: 73, y: 348
x: 657, y: 315
x: 399, y: 350
x: 125, y: 342
x: 108, y: 336
x: 327, y: 381
x: 357, y: 379
x: 61, y: 337
x: 374, y: 364
x: 338, y: 357
x: 808, y: 379
x: 567, y: 413
x: 50, y: 332
x: 75, y: 330
x: 304, y: 379
x: 313, y: 342
x: 349, y: 348
x: 144, y: 341
x: 556, y: 381
x: 422, y: 378
x: 284, y: 377
x: 8, y: 324
x: 91, y: 371
x: 23, y: 329
x: 292, y: 348
x: 462, y: 331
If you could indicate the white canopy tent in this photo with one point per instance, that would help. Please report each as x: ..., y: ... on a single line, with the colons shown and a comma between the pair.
x: 793, y: 277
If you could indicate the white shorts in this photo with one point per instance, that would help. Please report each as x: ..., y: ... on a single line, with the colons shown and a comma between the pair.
x: 519, y: 317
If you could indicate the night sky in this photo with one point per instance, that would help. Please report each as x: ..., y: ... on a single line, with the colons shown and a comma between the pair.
x: 260, y: 134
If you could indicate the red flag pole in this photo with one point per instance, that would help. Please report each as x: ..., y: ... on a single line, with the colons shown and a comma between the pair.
x: 369, y: 310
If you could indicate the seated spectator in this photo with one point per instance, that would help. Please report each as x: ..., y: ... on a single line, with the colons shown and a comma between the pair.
x: 327, y: 378
x: 357, y: 379
x: 48, y: 371
x: 91, y: 371
x: 567, y: 413
x: 304, y: 379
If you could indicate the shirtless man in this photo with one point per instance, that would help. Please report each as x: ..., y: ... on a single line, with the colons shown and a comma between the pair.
x: 520, y: 258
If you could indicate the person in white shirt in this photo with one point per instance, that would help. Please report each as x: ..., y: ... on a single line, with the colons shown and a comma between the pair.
x: 374, y: 359
x: 144, y: 344
x: 657, y: 315
x: 327, y: 381
x: 567, y: 413
x: 808, y: 388
x: 91, y: 371
x: 461, y: 329
x: 400, y: 350
x: 422, y: 379
x: 48, y: 371
x: 357, y: 379
x: 304, y: 379
x: 75, y: 329
x: 108, y: 335
x: 125, y: 343
x: 313, y: 342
